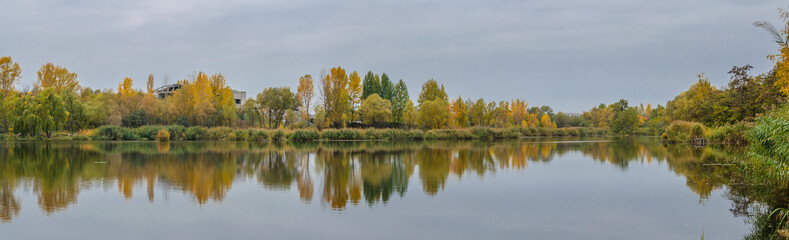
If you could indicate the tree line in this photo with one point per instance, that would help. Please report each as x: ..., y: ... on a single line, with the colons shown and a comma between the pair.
x: 57, y: 102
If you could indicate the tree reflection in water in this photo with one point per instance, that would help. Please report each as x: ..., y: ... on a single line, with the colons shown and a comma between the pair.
x: 349, y: 172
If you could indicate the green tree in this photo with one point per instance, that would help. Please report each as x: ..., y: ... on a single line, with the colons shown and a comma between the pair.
x: 410, y: 115
x: 387, y: 88
x: 477, y: 113
x: 274, y: 102
x: 370, y: 85
x: 433, y: 114
x: 375, y: 110
x: 625, y: 121
x: 399, y: 101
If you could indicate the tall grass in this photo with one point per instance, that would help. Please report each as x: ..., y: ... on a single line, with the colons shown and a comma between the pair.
x: 684, y: 131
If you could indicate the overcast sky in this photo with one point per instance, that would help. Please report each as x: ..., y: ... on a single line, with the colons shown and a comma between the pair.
x: 571, y: 55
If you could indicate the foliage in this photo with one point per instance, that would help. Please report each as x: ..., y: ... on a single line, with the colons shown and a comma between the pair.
x: 194, y: 133
x: 730, y: 134
x: 433, y: 114
x: 274, y: 103
x: 56, y: 77
x: 375, y: 110
x: 304, y: 135
x: 304, y: 95
x: 163, y: 135
x: 10, y: 74
x: 431, y: 90
x: 684, y: 131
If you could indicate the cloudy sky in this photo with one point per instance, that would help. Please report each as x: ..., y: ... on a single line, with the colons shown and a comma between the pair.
x: 571, y: 55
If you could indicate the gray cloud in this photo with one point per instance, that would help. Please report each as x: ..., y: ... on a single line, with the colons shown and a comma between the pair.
x: 571, y: 55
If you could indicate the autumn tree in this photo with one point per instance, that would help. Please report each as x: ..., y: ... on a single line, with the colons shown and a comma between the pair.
x: 354, y: 92
x: 431, y: 90
x: 149, y: 85
x: 782, y: 58
x: 477, y: 113
x: 459, y: 112
x: 503, y: 114
x: 304, y: 95
x: 56, y: 77
x: 518, y: 109
x: 335, y: 97
x: 10, y: 74
x: 125, y: 88
x: 433, y: 114
x: 375, y: 110
x: 410, y: 116
x: 274, y: 103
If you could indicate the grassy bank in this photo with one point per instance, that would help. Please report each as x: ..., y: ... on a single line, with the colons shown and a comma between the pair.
x: 181, y: 133
x: 729, y: 134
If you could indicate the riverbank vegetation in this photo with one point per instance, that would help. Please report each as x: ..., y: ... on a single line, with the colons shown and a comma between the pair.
x: 181, y: 133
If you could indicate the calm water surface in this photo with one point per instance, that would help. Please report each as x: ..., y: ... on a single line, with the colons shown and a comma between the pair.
x: 562, y: 188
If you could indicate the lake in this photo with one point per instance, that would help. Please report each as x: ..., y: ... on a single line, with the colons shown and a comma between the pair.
x: 534, y: 188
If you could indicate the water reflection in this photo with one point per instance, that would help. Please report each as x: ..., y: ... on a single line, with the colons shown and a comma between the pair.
x: 343, y: 172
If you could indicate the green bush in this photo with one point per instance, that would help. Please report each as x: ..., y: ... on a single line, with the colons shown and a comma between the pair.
x: 304, y: 135
x: 194, y: 133
x: 453, y: 134
x: 735, y: 134
x: 342, y: 134
x: 258, y: 135
x: 76, y: 137
x: 240, y: 135
x: 148, y: 132
x: 163, y: 135
x: 684, y: 131
x: 177, y: 132
x: 279, y: 136
x: 415, y: 134
x: 115, y: 133
x: 218, y: 133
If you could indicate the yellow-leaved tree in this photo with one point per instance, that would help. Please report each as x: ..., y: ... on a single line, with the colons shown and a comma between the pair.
x: 10, y: 74
x: 782, y: 58
x: 57, y: 77
x: 304, y: 94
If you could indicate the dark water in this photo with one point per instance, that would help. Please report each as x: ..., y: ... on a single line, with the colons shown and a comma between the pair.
x: 605, y: 188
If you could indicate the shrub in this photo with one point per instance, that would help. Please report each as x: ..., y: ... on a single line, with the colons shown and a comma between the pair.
x: 304, y: 135
x: 177, y: 132
x: 414, y: 134
x: 258, y: 135
x: 149, y: 132
x: 454, y: 134
x: 278, y: 136
x: 194, y: 133
x: 163, y: 135
x: 735, y: 134
x: 684, y: 131
x: 76, y: 137
x: 218, y: 133
x: 342, y: 134
x: 240, y: 135
x: 114, y: 133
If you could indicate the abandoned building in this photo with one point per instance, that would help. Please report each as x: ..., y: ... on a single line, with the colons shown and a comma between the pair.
x: 165, y: 91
